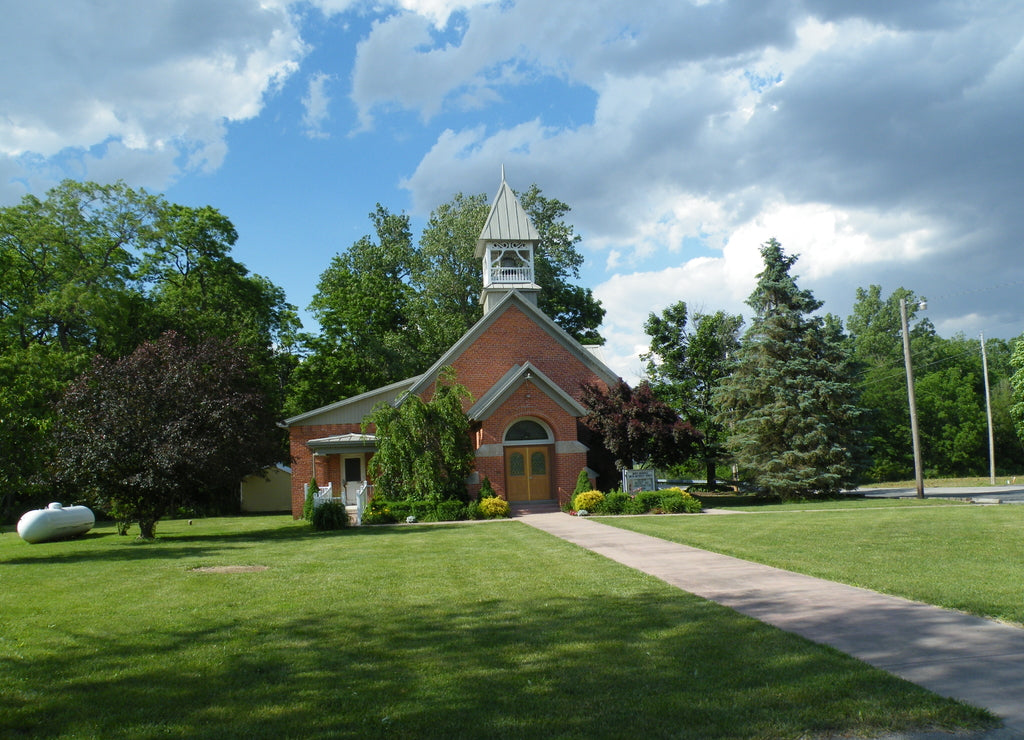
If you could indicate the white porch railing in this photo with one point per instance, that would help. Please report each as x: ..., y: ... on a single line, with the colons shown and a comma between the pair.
x: 362, y: 498
x: 325, y: 494
x: 510, y: 275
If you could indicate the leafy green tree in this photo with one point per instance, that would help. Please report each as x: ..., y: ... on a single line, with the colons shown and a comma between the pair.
x: 424, y: 451
x: 446, y: 275
x: 874, y: 337
x: 368, y: 333
x: 949, y: 384
x: 951, y: 417
x: 1017, y: 384
x: 790, y: 403
x: 173, y: 424
x: 97, y: 269
x: 636, y: 427
x: 69, y: 261
x: 687, y: 366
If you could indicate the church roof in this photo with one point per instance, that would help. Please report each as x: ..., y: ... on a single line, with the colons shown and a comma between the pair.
x: 515, y: 298
x: 507, y: 221
x: 513, y: 379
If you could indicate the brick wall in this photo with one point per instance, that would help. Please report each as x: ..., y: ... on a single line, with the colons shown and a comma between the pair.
x: 302, y: 460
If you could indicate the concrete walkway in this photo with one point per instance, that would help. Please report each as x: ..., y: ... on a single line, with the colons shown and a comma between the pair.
x: 976, y: 660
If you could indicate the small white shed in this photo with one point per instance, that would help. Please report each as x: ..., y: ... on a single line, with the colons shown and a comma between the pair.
x: 269, y: 491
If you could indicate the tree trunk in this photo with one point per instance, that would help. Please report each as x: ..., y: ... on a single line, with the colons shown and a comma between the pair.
x: 710, y: 467
x: 147, y: 529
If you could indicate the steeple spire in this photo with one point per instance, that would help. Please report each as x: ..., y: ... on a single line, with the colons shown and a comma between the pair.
x: 506, y: 245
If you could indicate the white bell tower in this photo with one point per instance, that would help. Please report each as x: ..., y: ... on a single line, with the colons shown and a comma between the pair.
x: 507, y: 245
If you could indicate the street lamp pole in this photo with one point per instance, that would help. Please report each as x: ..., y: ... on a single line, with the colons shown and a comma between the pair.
x: 918, y: 468
x: 988, y: 414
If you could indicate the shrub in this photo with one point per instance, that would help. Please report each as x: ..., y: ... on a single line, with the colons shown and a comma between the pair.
x: 645, y: 501
x: 582, y: 482
x: 676, y: 501
x: 308, y: 505
x: 589, y: 500
x: 486, y: 489
x: 494, y: 508
x: 378, y: 511
x: 329, y: 516
x: 450, y: 511
x: 615, y: 502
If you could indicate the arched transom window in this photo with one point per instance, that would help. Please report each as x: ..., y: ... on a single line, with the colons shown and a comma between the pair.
x: 528, y: 431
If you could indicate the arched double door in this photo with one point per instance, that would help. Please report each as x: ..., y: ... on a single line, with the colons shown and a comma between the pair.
x: 528, y: 448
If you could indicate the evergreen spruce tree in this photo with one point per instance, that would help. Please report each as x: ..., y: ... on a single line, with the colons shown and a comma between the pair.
x: 790, y: 403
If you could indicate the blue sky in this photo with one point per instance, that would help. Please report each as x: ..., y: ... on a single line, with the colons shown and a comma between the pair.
x: 880, y: 141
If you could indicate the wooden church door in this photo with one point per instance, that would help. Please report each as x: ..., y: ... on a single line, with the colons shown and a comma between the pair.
x: 528, y: 473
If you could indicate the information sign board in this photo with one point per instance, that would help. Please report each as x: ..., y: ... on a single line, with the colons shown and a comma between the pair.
x: 639, y: 480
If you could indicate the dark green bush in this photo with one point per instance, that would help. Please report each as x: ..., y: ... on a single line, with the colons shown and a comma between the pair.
x: 383, y: 511
x: 675, y: 501
x: 378, y: 511
x: 645, y: 501
x: 582, y: 482
x: 450, y: 511
x: 615, y: 502
x: 486, y: 489
x: 329, y: 516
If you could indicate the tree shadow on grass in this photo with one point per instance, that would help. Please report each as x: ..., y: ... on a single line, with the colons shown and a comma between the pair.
x: 594, y: 667
x: 103, y: 544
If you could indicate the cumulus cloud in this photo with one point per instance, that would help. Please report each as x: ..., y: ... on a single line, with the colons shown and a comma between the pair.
x: 879, y: 141
x: 150, y: 82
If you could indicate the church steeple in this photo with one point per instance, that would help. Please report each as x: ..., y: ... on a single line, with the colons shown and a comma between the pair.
x: 506, y: 245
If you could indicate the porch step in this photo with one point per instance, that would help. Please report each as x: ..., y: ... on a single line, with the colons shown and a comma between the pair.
x: 525, y: 508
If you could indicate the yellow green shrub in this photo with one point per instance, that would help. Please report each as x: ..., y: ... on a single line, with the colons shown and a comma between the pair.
x: 494, y: 508
x: 588, y: 500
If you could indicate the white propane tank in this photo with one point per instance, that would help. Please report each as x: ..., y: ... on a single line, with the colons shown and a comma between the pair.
x: 55, y: 522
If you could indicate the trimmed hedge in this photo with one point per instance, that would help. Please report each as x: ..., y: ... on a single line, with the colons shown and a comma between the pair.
x: 669, y: 501
x: 382, y: 511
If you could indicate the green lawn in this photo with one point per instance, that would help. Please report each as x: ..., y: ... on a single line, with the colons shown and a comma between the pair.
x: 461, y: 630
x: 953, y: 555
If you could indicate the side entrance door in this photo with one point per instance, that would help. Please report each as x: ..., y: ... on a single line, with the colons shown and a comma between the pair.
x: 528, y: 473
x: 352, y: 481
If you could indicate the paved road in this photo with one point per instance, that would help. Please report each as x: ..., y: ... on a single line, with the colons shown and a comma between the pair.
x: 1005, y: 493
x: 976, y: 660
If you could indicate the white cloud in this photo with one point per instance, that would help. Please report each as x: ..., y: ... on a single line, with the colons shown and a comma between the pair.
x: 160, y: 78
x: 316, y: 103
x: 880, y: 143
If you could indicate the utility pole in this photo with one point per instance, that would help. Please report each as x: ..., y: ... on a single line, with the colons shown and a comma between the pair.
x: 988, y: 412
x: 916, y: 437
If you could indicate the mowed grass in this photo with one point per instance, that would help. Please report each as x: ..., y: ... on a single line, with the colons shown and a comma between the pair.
x: 958, y: 556
x: 460, y: 630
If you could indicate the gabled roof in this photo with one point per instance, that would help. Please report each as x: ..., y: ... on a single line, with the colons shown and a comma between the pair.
x: 507, y: 221
x: 359, y: 405
x: 514, y: 298
x: 510, y: 383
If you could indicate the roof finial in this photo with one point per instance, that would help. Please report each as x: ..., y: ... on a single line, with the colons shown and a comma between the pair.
x: 502, y: 173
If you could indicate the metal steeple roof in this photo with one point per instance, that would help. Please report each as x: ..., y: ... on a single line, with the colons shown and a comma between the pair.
x: 507, y: 220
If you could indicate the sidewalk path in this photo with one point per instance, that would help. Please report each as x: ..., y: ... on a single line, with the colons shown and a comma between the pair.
x: 976, y: 660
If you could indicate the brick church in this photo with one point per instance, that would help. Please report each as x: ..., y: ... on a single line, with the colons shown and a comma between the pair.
x: 524, y: 372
